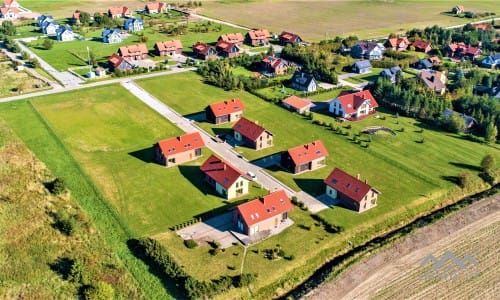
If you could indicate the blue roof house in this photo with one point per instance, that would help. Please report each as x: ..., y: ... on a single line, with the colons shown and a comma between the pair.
x: 44, y: 19
x: 362, y: 67
x: 133, y: 24
x: 65, y: 34
x: 491, y: 61
x: 49, y: 28
x: 112, y: 36
x: 303, y: 82
x: 390, y: 73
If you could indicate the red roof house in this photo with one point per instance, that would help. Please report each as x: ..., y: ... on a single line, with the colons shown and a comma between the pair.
x: 233, y: 38
x: 75, y: 18
x: 483, y: 26
x: 10, y: 3
x: 9, y: 12
x: 272, y: 66
x: 258, y: 37
x: 422, y: 46
x: 227, y: 180
x: 179, y: 149
x: 252, y: 134
x: 350, y: 191
x: 227, y: 49
x: 115, y: 12
x: 289, y: 38
x: 225, y: 111
x: 461, y: 50
x: 353, y: 106
x: 204, y: 51
x: 306, y: 157
x: 169, y: 48
x: 155, y: 8
x: 397, y: 43
x: 263, y: 214
x: 299, y: 105
x: 115, y: 61
x: 134, y: 52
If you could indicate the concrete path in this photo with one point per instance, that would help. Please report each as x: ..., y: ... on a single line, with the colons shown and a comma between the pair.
x: 67, y: 79
x: 223, y: 150
x: 356, y: 86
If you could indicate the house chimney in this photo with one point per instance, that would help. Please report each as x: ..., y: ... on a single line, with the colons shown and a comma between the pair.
x: 366, y: 181
x: 179, y: 138
x: 306, y: 146
x: 358, y: 176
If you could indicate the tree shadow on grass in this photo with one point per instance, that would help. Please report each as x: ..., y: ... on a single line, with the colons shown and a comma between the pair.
x: 452, y: 179
x: 147, y: 155
x: 311, y: 186
x: 465, y: 166
x: 168, y: 283
x: 222, y: 131
x: 62, y: 266
x: 197, y: 179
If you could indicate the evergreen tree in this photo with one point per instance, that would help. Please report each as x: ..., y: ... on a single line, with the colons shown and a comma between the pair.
x: 491, y: 133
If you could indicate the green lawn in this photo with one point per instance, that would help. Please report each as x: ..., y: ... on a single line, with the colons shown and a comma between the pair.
x: 111, y: 134
x: 64, y: 55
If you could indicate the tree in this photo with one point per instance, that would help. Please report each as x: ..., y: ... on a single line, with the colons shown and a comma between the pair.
x: 491, y: 133
x: 8, y: 28
x: 48, y: 44
x: 85, y: 18
x: 464, y: 180
x: 487, y: 163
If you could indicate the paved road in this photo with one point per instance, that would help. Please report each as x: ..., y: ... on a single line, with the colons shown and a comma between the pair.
x: 98, y: 83
x: 67, y: 79
x: 358, y: 86
x: 221, y: 149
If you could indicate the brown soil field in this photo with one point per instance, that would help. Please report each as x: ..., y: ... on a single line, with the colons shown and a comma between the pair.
x: 398, y: 273
x: 315, y: 20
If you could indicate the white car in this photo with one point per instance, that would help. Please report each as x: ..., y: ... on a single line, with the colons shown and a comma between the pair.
x: 252, y: 175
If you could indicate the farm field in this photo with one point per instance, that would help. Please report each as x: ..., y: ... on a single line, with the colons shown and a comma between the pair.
x: 32, y: 247
x: 64, y: 8
x: 64, y: 55
x: 397, y: 273
x: 16, y: 82
x: 366, y: 19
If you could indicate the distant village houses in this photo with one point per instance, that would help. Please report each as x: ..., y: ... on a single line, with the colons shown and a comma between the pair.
x: 168, y: 48
x: 258, y: 37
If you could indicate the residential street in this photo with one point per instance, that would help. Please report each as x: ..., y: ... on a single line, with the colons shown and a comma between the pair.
x: 223, y: 150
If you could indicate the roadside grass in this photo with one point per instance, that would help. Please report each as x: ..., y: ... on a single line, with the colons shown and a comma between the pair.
x: 13, y: 80
x: 64, y: 55
x: 313, y: 20
x: 44, y: 143
x: 30, y: 243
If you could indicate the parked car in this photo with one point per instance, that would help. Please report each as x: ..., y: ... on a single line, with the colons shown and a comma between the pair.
x: 252, y: 175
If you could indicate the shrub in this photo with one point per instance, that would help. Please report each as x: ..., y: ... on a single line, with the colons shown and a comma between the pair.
x: 191, y: 244
x: 100, y: 291
x: 245, y: 279
x: 465, y: 180
x: 487, y: 163
x: 64, y: 222
x: 78, y: 273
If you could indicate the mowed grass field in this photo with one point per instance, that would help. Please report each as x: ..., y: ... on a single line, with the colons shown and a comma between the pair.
x: 316, y: 20
x: 64, y: 55
x: 403, y: 169
x: 111, y: 135
x: 65, y: 8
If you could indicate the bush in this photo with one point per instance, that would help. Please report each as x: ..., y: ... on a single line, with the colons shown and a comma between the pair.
x: 487, y: 163
x: 100, y: 291
x: 64, y: 222
x: 78, y: 273
x: 191, y: 244
x: 465, y: 180
x: 245, y: 279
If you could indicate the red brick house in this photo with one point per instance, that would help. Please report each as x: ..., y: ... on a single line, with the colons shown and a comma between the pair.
x: 252, y: 134
x: 299, y: 105
x: 262, y: 214
x: 308, y: 157
x: 134, y: 52
x: 178, y: 150
x: 155, y: 8
x: 483, y: 26
x: 350, y: 191
x: 116, y: 12
x: 287, y: 38
x: 422, y: 46
x: 225, y: 111
x: 258, y: 37
x: 226, y: 49
x: 232, y: 38
x: 227, y: 180
x: 461, y: 50
x: 353, y: 106
x: 273, y: 66
x: 168, y: 48
x: 204, y: 51
x: 397, y: 43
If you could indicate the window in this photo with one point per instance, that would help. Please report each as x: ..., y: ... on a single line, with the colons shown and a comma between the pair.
x: 374, y: 201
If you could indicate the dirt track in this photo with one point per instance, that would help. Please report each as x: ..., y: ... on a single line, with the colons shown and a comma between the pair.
x: 395, y: 273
